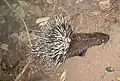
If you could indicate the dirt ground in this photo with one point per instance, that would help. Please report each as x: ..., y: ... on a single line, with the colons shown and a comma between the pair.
x: 86, y: 16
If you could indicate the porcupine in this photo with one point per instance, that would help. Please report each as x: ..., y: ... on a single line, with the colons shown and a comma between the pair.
x: 60, y: 42
x: 54, y: 43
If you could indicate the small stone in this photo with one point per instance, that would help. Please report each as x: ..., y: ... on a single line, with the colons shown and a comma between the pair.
x: 4, y: 46
x: 78, y: 1
x: 103, y: 76
x: 118, y: 78
x: 22, y: 3
x: 95, y: 13
x: 43, y: 23
x: 104, y: 4
x: 50, y: 1
x: 42, y: 20
x: 2, y: 20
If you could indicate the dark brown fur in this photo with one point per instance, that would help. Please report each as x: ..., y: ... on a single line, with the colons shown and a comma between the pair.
x: 82, y: 41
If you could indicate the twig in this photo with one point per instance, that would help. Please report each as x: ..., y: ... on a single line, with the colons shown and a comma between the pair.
x: 24, y: 69
x: 39, y: 69
x: 56, y: 69
x: 114, y: 6
x: 26, y: 28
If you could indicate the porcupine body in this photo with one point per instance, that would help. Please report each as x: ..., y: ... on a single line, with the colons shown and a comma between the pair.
x: 58, y: 41
x: 55, y: 41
